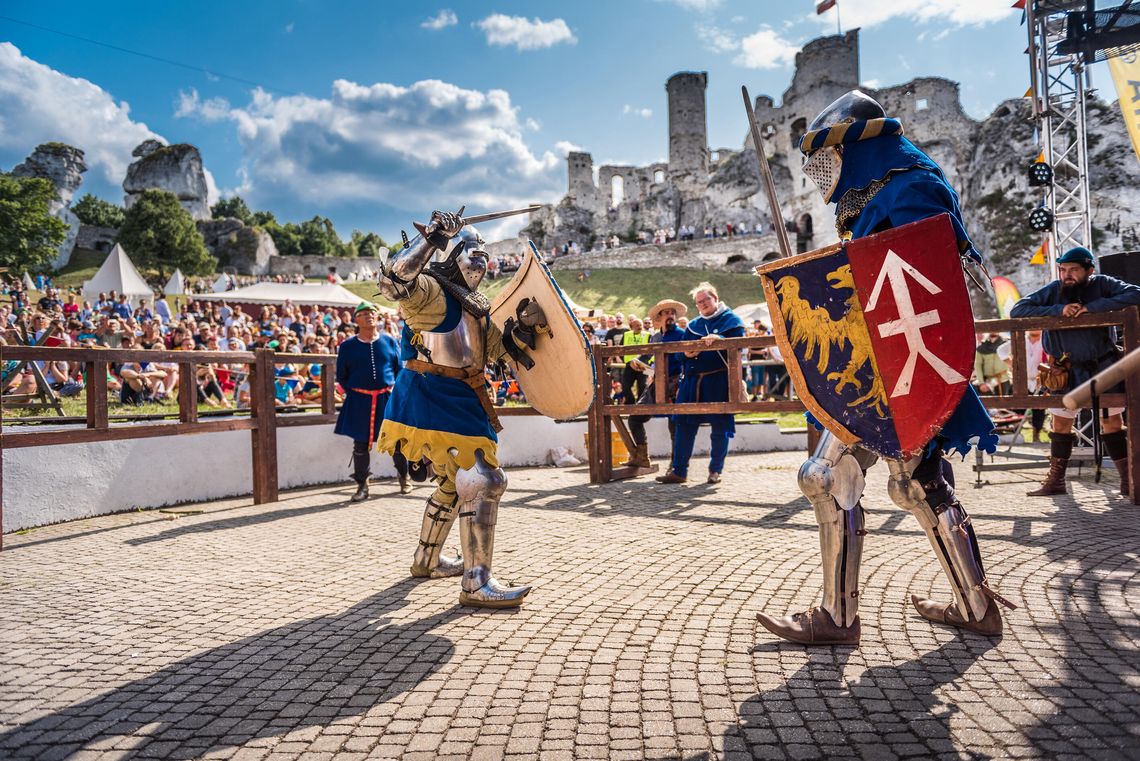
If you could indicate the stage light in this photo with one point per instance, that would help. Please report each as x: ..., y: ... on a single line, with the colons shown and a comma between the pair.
x: 1041, y: 219
x: 1040, y: 173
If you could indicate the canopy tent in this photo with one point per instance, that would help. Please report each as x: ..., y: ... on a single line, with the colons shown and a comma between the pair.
x: 751, y: 312
x: 119, y: 275
x: 176, y: 285
x: 29, y: 284
x: 221, y: 284
x: 301, y: 294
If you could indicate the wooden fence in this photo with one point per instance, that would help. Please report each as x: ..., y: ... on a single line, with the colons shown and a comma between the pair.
x: 604, y: 416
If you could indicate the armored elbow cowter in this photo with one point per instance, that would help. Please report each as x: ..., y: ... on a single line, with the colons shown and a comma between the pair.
x: 404, y: 266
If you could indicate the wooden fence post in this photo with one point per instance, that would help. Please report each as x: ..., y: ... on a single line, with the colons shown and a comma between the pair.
x: 96, y: 394
x: 187, y: 392
x: 264, y: 436
x: 1132, y: 397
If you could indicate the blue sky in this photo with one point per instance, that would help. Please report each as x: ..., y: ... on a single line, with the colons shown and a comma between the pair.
x: 373, y: 113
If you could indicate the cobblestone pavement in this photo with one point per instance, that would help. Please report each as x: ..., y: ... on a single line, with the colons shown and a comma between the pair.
x: 294, y: 631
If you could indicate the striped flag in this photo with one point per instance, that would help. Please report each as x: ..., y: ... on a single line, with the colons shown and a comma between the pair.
x: 824, y: 5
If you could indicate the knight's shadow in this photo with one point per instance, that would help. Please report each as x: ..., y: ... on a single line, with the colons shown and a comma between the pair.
x: 307, y: 673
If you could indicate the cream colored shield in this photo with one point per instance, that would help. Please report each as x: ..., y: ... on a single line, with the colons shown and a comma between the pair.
x: 561, y: 383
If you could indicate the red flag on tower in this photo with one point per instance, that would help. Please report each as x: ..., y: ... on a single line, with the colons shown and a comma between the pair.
x: 824, y: 5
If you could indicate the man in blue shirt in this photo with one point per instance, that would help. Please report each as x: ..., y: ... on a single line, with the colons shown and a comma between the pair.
x: 1076, y: 291
x: 366, y: 368
x: 663, y: 315
x: 704, y: 378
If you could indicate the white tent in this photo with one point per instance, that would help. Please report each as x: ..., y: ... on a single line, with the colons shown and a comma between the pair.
x: 750, y: 312
x: 119, y: 275
x: 301, y: 294
x: 29, y: 284
x: 176, y: 285
x: 221, y: 284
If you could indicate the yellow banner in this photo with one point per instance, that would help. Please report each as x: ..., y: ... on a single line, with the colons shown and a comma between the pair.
x: 1126, y: 74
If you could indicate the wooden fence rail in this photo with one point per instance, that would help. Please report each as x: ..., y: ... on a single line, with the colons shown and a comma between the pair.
x: 603, y: 414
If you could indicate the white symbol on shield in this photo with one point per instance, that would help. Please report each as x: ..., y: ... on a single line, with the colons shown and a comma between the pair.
x: 909, y: 324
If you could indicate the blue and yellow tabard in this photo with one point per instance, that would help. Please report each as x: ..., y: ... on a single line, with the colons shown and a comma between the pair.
x: 430, y: 415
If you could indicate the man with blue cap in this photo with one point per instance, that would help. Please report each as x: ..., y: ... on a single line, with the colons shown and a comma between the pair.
x: 1076, y: 291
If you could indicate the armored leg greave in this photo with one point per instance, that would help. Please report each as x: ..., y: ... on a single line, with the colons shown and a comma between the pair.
x: 429, y: 561
x: 479, y: 490
x: 832, y: 480
x: 930, y: 498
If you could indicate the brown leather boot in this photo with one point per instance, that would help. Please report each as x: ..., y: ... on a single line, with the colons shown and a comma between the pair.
x: 812, y: 627
x: 1125, y: 482
x: 671, y: 478
x: 1054, y: 482
x: 947, y: 613
x: 639, y: 458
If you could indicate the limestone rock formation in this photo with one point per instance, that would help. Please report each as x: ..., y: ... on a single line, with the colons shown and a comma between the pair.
x: 64, y: 166
x: 985, y: 160
x: 246, y: 249
x: 176, y: 168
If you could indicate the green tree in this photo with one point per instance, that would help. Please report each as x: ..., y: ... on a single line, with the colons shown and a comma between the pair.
x: 93, y: 210
x: 160, y: 235
x: 263, y: 218
x: 365, y: 244
x: 29, y: 235
x: 287, y: 238
x: 319, y: 238
x: 232, y: 208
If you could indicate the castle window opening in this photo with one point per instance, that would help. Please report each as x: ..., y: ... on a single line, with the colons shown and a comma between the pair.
x: 799, y: 127
x: 659, y: 177
x: 617, y: 190
x: 804, y: 234
x: 768, y: 131
x: 921, y: 104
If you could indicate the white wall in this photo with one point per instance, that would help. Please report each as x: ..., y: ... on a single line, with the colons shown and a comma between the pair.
x: 57, y: 483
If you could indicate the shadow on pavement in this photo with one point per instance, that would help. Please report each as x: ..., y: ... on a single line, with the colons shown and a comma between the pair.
x: 889, y: 711
x: 308, y: 673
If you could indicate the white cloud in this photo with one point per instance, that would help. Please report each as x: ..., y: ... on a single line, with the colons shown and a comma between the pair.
x: 872, y: 84
x: 867, y: 13
x: 39, y: 104
x: 564, y: 148
x: 717, y: 40
x: 524, y: 33
x: 696, y: 5
x: 430, y: 145
x: 764, y: 49
x: 644, y: 113
x: 445, y: 18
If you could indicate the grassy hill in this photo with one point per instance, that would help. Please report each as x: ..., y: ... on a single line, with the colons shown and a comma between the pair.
x: 609, y: 290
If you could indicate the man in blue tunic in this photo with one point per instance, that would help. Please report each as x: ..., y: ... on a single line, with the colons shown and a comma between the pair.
x: 664, y: 316
x: 878, y: 179
x: 1077, y: 291
x: 704, y: 378
x: 366, y: 368
x: 440, y: 407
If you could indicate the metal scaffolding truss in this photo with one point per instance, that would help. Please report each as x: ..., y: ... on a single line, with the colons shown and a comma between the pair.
x: 1059, y: 89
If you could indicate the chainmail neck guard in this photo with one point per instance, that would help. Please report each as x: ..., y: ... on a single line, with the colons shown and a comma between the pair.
x: 852, y: 203
x: 449, y: 278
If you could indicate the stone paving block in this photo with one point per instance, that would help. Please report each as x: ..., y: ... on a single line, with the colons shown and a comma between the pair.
x: 293, y: 631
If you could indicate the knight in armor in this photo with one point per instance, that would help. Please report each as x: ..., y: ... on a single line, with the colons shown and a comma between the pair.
x: 878, y: 180
x: 366, y: 368
x: 440, y: 407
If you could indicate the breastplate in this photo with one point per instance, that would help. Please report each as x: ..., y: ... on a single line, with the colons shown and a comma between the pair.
x: 460, y: 347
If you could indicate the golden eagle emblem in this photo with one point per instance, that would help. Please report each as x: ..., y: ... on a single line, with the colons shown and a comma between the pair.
x: 813, y: 328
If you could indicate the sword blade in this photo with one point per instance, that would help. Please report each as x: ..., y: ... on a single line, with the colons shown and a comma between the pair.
x: 477, y: 218
x: 766, y: 176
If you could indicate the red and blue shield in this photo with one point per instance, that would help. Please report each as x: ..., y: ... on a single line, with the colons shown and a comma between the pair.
x: 877, y: 334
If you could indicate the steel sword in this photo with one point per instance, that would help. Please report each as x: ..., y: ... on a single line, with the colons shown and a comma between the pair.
x: 766, y: 175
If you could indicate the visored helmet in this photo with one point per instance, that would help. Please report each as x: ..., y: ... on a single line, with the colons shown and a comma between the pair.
x: 467, y: 252
x: 822, y: 161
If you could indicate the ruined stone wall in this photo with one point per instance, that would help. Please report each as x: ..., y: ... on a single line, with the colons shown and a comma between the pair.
x: 318, y: 266
x: 742, y: 252
x: 580, y: 171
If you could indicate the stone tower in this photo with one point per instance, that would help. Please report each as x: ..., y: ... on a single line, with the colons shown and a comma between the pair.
x: 580, y: 172
x: 688, y: 134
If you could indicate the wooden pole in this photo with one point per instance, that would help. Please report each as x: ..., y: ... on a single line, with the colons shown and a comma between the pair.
x: 264, y: 436
x: 96, y: 395
x: 1132, y: 409
x: 187, y: 392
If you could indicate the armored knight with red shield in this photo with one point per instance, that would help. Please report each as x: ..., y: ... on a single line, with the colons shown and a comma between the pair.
x: 878, y: 337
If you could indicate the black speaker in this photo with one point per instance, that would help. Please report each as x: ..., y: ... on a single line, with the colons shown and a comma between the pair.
x: 1124, y: 266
